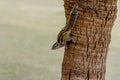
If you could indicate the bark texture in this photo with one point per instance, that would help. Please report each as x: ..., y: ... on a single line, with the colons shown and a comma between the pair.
x: 86, y: 59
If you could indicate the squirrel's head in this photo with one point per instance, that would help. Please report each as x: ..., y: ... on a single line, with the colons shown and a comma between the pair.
x: 57, y: 45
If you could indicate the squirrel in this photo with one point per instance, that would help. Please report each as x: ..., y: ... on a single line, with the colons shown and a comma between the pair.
x: 64, y: 34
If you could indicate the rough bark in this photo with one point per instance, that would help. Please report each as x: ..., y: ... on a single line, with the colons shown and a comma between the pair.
x: 86, y: 59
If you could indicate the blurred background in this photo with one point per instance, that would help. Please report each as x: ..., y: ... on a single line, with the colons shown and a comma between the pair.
x: 28, y: 28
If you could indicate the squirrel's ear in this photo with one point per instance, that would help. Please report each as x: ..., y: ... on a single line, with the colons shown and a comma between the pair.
x: 56, y: 46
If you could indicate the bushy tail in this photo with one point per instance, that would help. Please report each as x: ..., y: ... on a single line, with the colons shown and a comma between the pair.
x: 72, y: 18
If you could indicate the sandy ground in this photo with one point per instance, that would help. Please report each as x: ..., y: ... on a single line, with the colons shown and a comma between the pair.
x: 28, y: 28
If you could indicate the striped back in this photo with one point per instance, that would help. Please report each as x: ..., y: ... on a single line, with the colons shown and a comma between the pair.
x: 69, y: 24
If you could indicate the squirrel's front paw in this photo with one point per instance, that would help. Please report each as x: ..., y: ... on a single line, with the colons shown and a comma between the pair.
x: 73, y: 40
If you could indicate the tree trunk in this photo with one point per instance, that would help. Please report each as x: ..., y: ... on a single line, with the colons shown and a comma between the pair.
x: 86, y: 59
